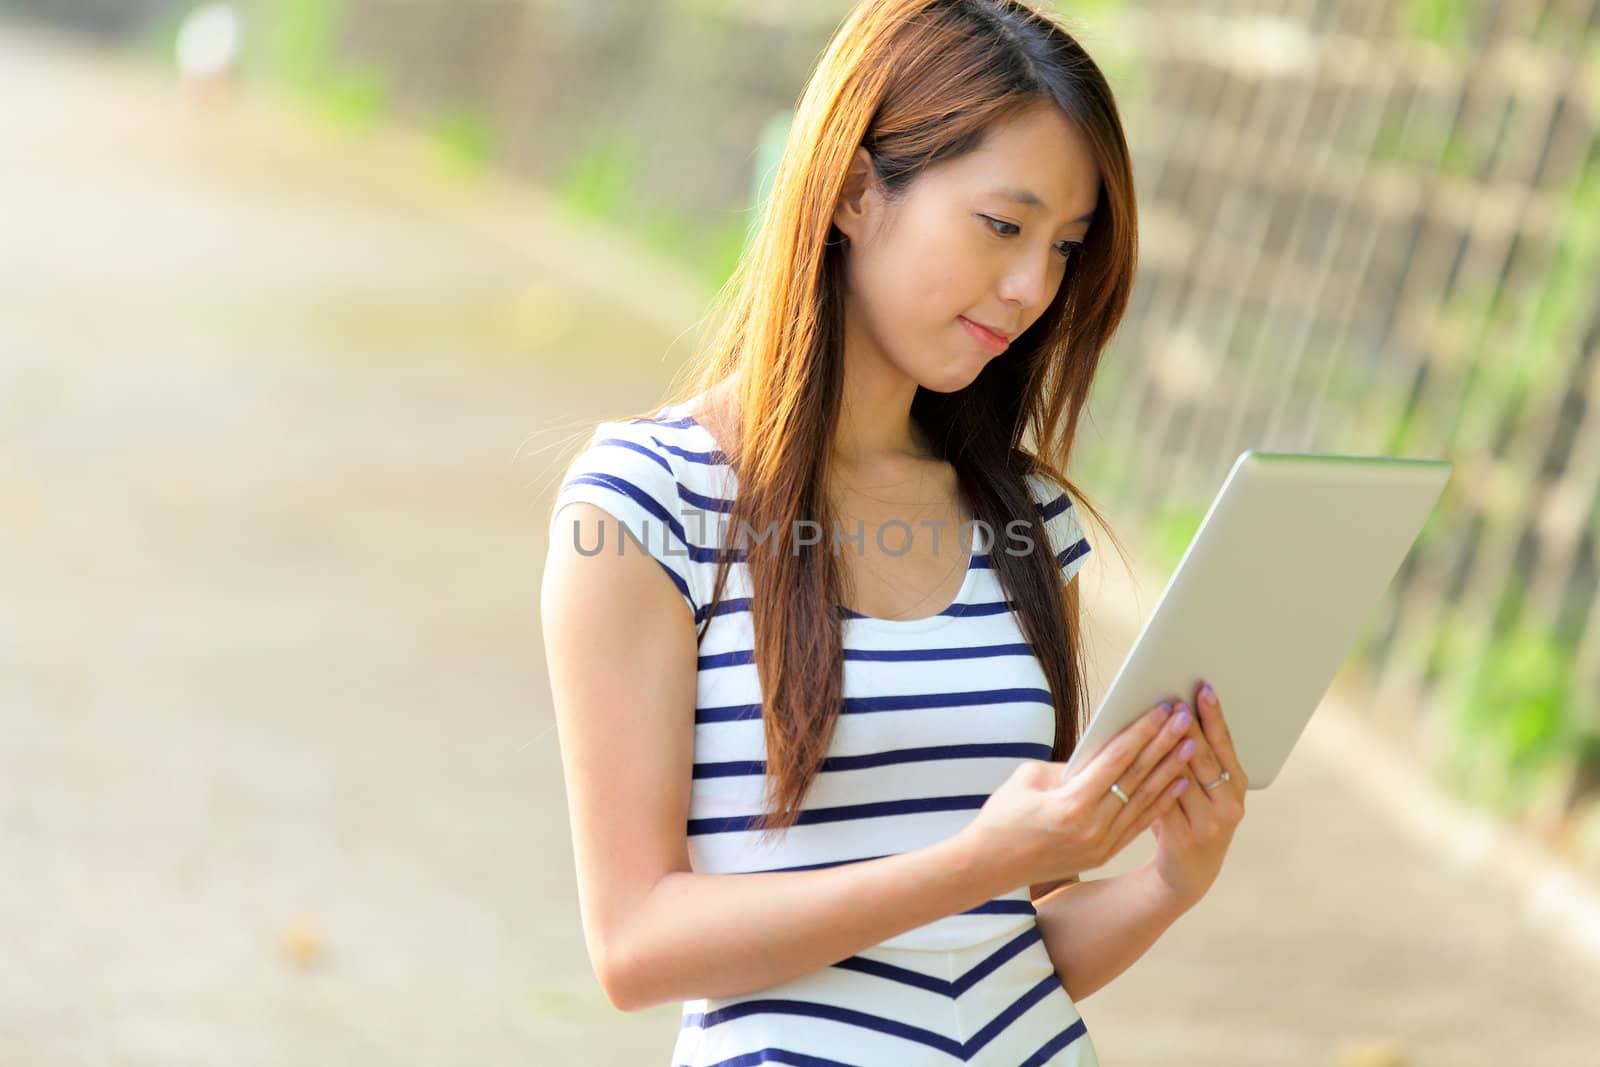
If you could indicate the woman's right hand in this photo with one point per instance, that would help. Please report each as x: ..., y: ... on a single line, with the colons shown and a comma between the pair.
x: 1040, y: 827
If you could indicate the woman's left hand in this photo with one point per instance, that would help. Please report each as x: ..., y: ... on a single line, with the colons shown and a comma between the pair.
x: 1193, y: 836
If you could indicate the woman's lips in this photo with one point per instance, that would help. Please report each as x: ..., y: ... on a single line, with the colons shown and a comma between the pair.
x: 988, y: 339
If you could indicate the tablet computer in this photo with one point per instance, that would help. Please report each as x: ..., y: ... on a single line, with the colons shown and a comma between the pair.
x: 1289, y: 562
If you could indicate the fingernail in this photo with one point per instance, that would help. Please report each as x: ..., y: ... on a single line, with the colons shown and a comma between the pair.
x: 1206, y: 693
x: 1186, y: 749
x: 1181, y: 721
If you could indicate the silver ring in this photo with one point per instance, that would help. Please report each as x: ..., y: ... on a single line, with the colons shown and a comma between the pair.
x: 1116, y: 791
x: 1218, y: 782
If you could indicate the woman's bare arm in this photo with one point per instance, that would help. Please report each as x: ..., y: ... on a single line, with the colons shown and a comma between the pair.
x: 1097, y: 929
x: 620, y: 643
x: 1043, y: 889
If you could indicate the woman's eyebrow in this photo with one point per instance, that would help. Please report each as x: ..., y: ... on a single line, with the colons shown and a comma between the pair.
x: 1024, y: 196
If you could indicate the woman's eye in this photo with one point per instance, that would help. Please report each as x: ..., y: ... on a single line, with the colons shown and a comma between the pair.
x: 1066, y: 248
x: 993, y: 223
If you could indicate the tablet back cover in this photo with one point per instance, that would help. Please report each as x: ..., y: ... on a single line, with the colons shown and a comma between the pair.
x: 1286, y: 567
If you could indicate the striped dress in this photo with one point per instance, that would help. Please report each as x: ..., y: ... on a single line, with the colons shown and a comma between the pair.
x: 938, y: 712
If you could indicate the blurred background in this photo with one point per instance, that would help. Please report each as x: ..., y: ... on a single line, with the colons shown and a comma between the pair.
x: 304, y: 305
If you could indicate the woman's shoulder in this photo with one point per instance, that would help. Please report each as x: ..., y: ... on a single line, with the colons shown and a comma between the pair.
x: 1060, y: 515
x: 628, y: 456
x: 636, y: 470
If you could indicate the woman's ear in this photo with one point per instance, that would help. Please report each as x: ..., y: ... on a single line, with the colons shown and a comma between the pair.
x: 857, y: 197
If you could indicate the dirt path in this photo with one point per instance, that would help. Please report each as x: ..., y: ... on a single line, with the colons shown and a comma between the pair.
x: 275, y: 435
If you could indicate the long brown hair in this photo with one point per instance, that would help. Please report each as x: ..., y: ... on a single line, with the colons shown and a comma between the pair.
x: 915, y: 82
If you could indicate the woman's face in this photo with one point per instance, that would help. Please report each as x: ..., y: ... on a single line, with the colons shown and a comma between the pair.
x: 981, y: 240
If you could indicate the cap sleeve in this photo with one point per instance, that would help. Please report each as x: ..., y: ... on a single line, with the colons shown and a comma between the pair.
x: 629, y: 475
x: 1060, y: 516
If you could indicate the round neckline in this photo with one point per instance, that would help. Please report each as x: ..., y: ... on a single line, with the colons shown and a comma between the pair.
x: 953, y: 610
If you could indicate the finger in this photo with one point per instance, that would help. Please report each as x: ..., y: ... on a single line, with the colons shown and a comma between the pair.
x: 1151, y: 789
x: 1195, y: 803
x: 1216, y: 730
x: 1111, y: 807
x: 1164, y: 764
x: 1205, y: 765
x: 1168, y: 799
x: 1113, y: 761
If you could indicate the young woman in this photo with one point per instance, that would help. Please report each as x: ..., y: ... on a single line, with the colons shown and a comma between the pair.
x: 841, y: 834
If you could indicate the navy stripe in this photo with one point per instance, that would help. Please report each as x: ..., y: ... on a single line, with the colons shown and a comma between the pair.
x: 720, y: 505
x: 745, y: 657
x: 1063, y: 557
x: 681, y: 423
x: 976, y: 609
x: 709, y: 459
x: 1075, y: 552
x: 951, y: 988
x: 868, y: 1021
x: 846, y: 813
x: 623, y: 442
x: 1043, y: 988
x: 1055, y: 507
x: 1003, y: 906
x: 630, y: 490
x: 1056, y: 1044
x: 892, y: 702
x: 902, y: 975
x: 906, y: 701
x: 644, y: 500
x: 742, y: 658
x: 727, y: 713
x: 820, y: 866
x: 727, y: 606
x: 989, y: 607
x: 955, y: 610
x: 917, y: 655
x: 778, y: 1055
x: 994, y: 750
x: 993, y: 962
x: 655, y: 508
x: 715, y: 458
x: 863, y: 1019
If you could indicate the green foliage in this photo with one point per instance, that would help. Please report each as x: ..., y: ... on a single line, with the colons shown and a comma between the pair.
x: 722, y: 251
x: 1444, y: 518
x: 1454, y: 645
x: 296, y: 43
x: 1171, y: 530
x: 1457, y: 158
x: 1092, y: 464
x: 769, y: 152
x: 1389, y: 142
x: 1472, y: 306
x: 1516, y: 715
x: 464, y: 138
x: 1087, y: 8
x: 354, y: 97
x: 603, y: 182
x: 1446, y: 23
x: 711, y: 249
x: 1567, y: 294
x: 1402, y: 432
x: 603, y: 177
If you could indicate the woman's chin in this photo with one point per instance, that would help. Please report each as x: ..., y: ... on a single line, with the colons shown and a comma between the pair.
x: 955, y: 375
